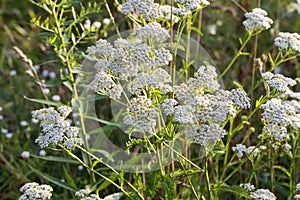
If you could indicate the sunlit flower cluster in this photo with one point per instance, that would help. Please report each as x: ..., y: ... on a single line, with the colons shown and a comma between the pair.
x: 141, y: 114
x: 84, y: 194
x: 34, y: 191
x: 286, y: 41
x: 57, y: 130
x: 257, y: 20
x: 150, y: 10
x: 241, y: 149
x: 202, y: 106
x: 205, y: 133
x: 278, y: 116
x: 278, y: 82
x: 262, y: 194
x: 248, y: 187
x: 128, y: 62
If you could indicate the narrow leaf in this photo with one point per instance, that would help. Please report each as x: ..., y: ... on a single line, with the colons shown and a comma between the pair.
x: 42, y: 101
x: 57, y: 159
x: 69, y: 178
x: 101, y: 120
x: 53, y: 180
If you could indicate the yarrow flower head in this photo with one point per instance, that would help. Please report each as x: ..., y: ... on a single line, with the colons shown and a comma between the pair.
x: 278, y: 132
x: 298, y: 187
x: 103, y: 83
x: 168, y: 106
x: 297, y: 196
x: 34, y: 191
x: 132, y: 62
x: 214, y: 108
x: 248, y: 187
x: 57, y: 130
x: 159, y: 79
x: 84, y: 194
x: 152, y: 30
x: 278, y: 116
x: 150, y: 10
x: 262, y: 194
x: 205, y: 133
x: 257, y: 20
x: 145, y: 8
x: 277, y: 112
x: 288, y: 41
x: 239, y: 98
x: 141, y: 115
x: 278, y: 82
x: 241, y: 149
x: 207, y: 77
x: 186, y: 6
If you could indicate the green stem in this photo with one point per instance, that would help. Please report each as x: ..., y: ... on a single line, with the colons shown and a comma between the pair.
x: 187, y: 53
x: 109, y: 167
x: 65, y: 60
x: 293, y: 174
x: 112, y: 17
x: 237, y: 54
x: 207, y: 180
x: 272, y: 174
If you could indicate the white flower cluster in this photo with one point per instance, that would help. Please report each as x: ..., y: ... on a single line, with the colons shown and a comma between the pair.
x: 297, y: 196
x: 279, y: 82
x: 158, y: 79
x: 135, y: 63
x: 203, y: 106
x: 207, y: 77
x: 241, y: 149
x: 183, y: 114
x: 278, y: 132
x: 298, y: 187
x: 286, y: 41
x: 145, y: 8
x: 278, y: 115
x: 257, y: 20
x: 248, y: 187
x: 168, y: 106
x: 262, y: 194
x: 56, y: 129
x: 205, y: 133
x: 239, y: 98
x: 83, y: 194
x: 152, y: 31
x: 103, y: 83
x: 151, y: 11
x: 134, y: 67
x: 214, y: 107
x: 186, y: 6
x: 141, y: 114
x: 34, y: 191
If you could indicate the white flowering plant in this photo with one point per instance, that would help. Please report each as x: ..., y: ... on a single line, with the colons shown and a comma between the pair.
x: 142, y: 111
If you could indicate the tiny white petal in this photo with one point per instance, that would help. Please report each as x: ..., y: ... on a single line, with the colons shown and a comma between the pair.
x: 42, y: 152
x: 9, y: 135
x: 56, y: 98
x: 23, y: 123
x: 12, y: 72
x: 45, y: 73
x: 97, y: 24
x: 25, y: 154
x: 52, y: 75
x: 106, y: 21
